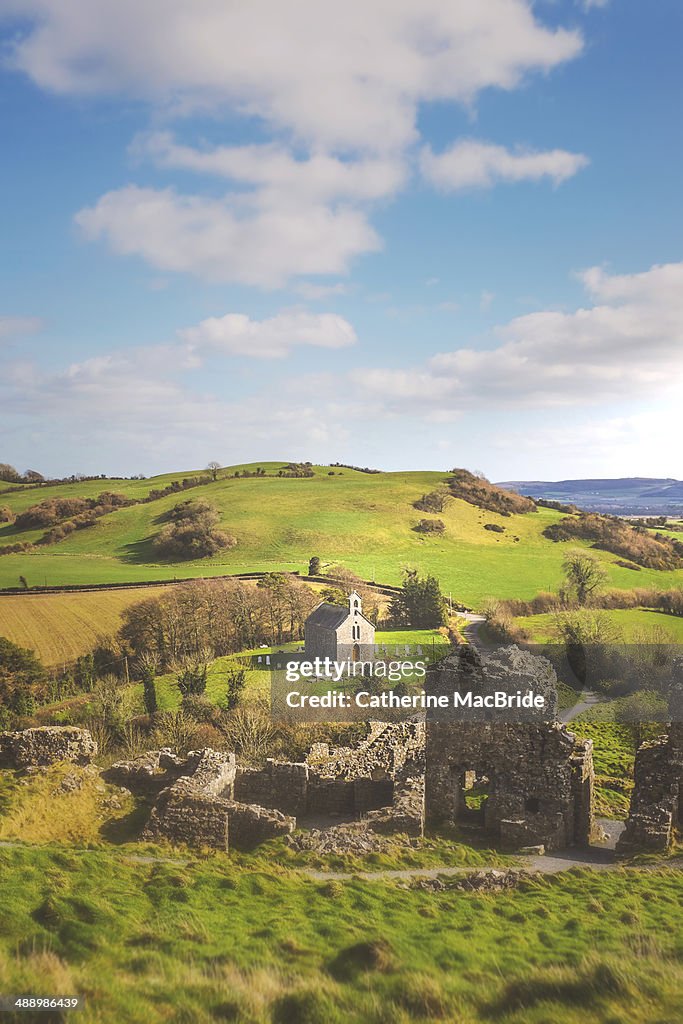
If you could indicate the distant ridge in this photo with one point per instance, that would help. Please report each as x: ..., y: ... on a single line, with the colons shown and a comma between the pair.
x: 631, y: 495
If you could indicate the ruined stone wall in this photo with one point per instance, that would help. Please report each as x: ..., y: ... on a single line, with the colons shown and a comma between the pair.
x: 197, y: 806
x: 538, y: 791
x: 181, y: 817
x: 657, y: 800
x: 46, y: 745
x: 655, y: 809
x: 301, y: 790
x: 279, y: 784
x: 386, y: 751
x: 536, y: 779
x: 406, y: 811
x: 155, y: 770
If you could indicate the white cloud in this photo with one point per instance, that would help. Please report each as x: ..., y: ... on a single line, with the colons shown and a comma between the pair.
x: 312, y: 68
x: 629, y: 346
x: 291, y: 216
x: 317, y: 178
x: 341, y: 95
x: 236, y: 334
x: 636, y: 444
x: 472, y: 164
x: 79, y: 411
x: 13, y: 326
x: 238, y: 238
x: 486, y: 300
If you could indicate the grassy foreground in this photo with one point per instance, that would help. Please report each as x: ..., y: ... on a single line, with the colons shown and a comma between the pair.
x: 363, y: 521
x: 200, y: 941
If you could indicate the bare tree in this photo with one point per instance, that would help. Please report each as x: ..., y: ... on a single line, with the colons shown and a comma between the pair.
x: 213, y: 468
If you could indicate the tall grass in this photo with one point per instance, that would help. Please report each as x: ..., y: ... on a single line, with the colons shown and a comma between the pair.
x: 204, y: 941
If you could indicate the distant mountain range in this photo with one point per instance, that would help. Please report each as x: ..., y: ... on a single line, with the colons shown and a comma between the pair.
x: 636, y: 495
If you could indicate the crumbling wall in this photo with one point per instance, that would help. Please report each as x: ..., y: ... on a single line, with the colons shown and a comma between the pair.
x: 655, y: 809
x: 190, y: 819
x: 278, y: 784
x: 46, y: 745
x: 406, y: 814
x: 387, y: 749
x: 536, y: 779
x: 657, y: 800
x: 198, y: 808
x: 302, y: 791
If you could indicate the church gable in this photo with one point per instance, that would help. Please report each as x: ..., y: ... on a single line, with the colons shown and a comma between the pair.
x: 331, y: 627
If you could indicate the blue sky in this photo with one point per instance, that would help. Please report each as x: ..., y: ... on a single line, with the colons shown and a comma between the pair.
x: 442, y: 232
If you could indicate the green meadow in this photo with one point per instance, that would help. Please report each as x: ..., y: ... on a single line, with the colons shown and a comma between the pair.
x: 168, y: 940
x: 629, y: 624
x: 363, y: 521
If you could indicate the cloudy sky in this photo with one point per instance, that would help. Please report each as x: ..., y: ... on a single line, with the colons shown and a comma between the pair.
x: 402, y: 233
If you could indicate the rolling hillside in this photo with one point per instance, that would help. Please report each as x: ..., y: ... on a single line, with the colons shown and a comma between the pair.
x: 365, y: 521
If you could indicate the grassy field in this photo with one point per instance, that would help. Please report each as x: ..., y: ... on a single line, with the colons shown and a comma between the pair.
x: 632, y: 623
x: 180, y: 942
x: 60, y: 627
x: 364, y: 521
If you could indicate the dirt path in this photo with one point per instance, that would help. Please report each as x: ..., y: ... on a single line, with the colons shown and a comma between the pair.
x: 587, y: 700
x: 596, y: 858
x: 471, y: 631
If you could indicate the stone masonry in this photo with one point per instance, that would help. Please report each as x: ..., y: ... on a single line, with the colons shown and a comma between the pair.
x: 533, y: 778
x: 656, y: 803
x: 195, y: 801
x: 46, y: 745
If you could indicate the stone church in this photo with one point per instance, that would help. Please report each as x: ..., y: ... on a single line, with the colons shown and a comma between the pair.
x: 340, y: 633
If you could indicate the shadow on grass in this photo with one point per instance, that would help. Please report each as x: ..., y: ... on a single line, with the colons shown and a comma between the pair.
x: 141, y: 552
x: 128, y: 828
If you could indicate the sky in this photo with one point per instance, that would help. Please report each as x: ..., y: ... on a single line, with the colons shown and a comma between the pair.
x: 407, y: 234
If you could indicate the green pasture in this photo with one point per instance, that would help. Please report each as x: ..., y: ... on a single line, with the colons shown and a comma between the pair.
x: 363, y: 521
x: 631, y: 623
x: 214, y: 939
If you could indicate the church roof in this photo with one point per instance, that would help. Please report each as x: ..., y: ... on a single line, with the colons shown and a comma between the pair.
x: 329, y: 616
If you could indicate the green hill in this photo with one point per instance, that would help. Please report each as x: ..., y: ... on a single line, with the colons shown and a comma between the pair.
x: 365, y: 521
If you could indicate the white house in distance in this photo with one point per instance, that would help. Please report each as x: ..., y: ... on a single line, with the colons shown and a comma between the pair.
x: 333, y: 631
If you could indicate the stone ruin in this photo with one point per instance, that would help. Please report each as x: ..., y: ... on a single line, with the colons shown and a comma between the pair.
x: 194, y: 800
x: 533, y: 779
x: 522, y: 783
x: 656, y: 809
x: 207, y: 799
x: 45, y: 745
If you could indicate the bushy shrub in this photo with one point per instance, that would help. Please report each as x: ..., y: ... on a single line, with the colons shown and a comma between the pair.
x: 431, y: 526
x: 612, y: 534
x: 192, y: 532
x: 434, y: 501
x: 49, y: 512
x: 479, y: 491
